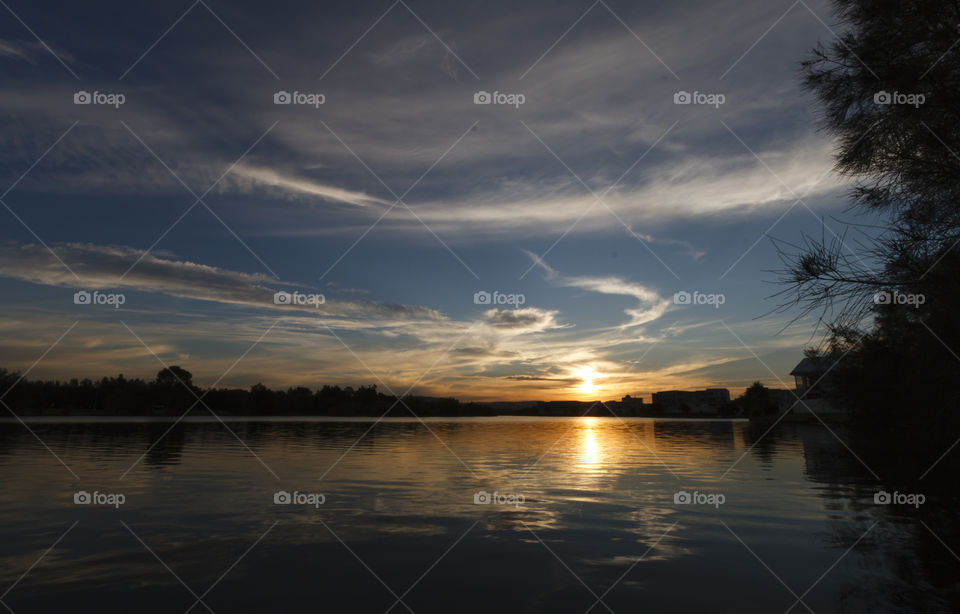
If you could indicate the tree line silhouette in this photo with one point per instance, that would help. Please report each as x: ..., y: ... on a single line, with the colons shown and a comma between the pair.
x: 173, y: 393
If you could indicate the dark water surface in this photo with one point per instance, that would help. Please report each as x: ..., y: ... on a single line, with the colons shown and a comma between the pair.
x: 583, y: 518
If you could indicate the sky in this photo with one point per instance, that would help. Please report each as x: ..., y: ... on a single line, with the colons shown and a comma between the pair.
x: 492, y: 200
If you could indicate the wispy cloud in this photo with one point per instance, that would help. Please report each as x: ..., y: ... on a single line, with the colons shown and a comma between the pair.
x: 110, y: 267
x: 29, y: 51
x: 248, y: 178
x: 650, y: 304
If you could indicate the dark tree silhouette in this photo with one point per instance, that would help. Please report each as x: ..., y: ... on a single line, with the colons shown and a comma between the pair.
x: 168, y: 396
x: 890, y: 93
x: 888, y: 87
x: 756, y: 400
x: 174, y: 375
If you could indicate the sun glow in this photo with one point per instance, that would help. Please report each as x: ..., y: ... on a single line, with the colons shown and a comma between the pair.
x: 586, y: 376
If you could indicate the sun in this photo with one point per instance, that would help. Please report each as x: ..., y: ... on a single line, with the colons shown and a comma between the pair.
x: 586, y: 376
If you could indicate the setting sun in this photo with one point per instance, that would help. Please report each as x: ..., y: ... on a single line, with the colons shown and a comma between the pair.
x: 586, y: 376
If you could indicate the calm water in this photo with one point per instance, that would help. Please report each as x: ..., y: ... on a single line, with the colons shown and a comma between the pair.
x: 584, y: 518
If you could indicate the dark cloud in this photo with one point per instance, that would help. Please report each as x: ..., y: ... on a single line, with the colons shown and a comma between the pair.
x: 526, y: 318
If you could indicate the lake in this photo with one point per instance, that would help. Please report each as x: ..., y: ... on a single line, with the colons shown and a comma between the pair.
x: 461, y: 515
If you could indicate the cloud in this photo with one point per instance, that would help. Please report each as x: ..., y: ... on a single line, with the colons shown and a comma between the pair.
x: 28, y: 51
x: 685, y: 188
x: 650, y: 305
x: 245, y: 178
x: 538, y: 378
x: 598, y: 112
x: 526, y: 319
x: 109, y: 267
x: 690, y: 188
x: 19, y: 51
x: 688, y: 247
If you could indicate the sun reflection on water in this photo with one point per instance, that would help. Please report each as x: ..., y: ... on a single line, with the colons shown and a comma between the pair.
x: 590, y: 449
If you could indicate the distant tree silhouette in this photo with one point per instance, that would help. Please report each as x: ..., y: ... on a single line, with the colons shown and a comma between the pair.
x: 756, y: 400
x: 167, y: 395
x: 174, y: 375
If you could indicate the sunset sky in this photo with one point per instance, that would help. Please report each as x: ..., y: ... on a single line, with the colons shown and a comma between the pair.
x: 399, y: 199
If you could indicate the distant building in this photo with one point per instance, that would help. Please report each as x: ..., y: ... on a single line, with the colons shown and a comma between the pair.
x: 630, y: 406
x: 632, y: 402
x: 627, y: 406
x: 814, y: 377
x: 808, y: 373
x: 706, y: 401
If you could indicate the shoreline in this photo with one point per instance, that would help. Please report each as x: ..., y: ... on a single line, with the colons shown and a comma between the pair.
x: 101, y: 419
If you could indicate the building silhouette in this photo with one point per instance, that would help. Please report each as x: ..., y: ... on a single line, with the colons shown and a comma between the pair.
x: 706, y: 401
